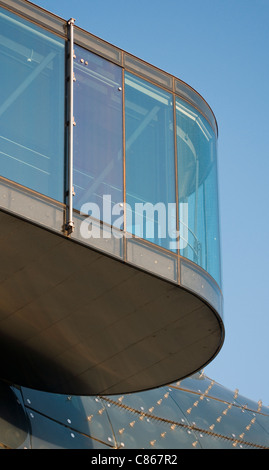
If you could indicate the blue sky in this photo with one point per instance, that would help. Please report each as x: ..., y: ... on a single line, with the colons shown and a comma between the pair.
x: 220, y: 48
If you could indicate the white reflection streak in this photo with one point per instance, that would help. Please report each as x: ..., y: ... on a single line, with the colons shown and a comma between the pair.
x: 195, y: 117
x: 24, y: 163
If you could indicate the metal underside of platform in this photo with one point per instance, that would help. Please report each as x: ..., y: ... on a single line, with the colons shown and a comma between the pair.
x: 76, y: 321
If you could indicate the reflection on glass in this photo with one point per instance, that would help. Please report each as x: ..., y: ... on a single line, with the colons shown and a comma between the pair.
x: 198, y: 188
x: 150, y: 165
x: 49, y: 434
x: 98, y: 141
x: 31, y: 106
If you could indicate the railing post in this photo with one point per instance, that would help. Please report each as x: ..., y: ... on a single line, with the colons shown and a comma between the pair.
x: 70, y: 190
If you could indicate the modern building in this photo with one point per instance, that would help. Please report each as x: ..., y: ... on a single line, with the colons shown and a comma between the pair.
x: 110, y: 278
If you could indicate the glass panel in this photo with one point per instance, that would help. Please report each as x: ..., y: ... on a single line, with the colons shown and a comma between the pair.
x: 98, y: 141
x: 32, y: 106
x: 138, y: 426
x: 198, y: 189
x: 86, y: 415
x: 48, y: 434
x: 185, y: 91
x: 150, y: 166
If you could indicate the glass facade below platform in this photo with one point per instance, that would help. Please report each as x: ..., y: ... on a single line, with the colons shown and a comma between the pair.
x: 195, y: 413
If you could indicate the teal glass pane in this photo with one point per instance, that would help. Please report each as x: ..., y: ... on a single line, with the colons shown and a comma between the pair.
x: 98, y: 137
x: 84, y: 414
x: 49, y: 434
x: 198, y: 190
x: 32, y: 106
x: 150, y: 162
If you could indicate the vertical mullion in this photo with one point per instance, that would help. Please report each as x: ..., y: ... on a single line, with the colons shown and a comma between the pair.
x: 124, y: 166
x: 176, y: 186
x: 70, y: 223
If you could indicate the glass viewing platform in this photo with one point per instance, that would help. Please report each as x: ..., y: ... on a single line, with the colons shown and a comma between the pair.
x: 110, y: 241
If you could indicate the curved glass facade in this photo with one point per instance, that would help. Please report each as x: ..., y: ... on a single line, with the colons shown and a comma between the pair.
x: 145, y: 161
x: 196, y: 413
x: 144, y: 158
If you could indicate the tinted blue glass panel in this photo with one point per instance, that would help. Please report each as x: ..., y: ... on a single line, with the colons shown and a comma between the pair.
x: 150, y: 162
x: 98, y: 135
x: 198, y: 189
x: 32, y: 106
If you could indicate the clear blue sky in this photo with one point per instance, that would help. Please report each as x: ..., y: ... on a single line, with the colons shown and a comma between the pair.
x: 220, y: 48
